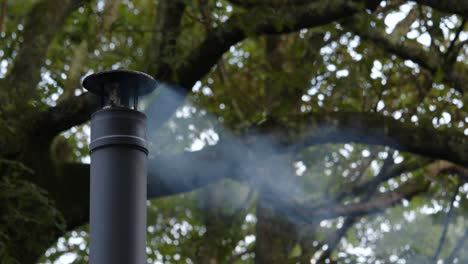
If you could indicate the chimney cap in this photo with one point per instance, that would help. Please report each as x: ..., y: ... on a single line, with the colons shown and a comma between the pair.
x: 101, y: 83
x: 118, y: 87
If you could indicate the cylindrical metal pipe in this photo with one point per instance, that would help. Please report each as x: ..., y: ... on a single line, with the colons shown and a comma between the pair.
x: 118, y: 186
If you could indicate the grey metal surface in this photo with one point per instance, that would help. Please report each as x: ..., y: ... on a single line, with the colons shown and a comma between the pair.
x: 100, y: 82
x: 118, y: 187
x: 120, y: 87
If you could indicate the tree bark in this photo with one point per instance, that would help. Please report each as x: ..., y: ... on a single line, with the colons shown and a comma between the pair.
x: 450, y: 6
x: 44, y: 22
x: 275, y: 236
x: 211, y: 199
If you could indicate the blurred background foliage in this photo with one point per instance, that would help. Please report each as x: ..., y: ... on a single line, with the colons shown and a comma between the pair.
x: 264, y: 77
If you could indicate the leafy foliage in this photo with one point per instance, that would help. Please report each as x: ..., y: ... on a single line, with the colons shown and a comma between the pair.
x: 24, y: 204
x: 370, y: 62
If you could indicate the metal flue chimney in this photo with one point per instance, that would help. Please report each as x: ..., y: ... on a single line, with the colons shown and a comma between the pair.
x: 118, y: 168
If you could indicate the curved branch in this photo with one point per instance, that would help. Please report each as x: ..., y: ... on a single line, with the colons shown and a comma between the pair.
x: 3, y: 13
x: 80, y: 55
x: 314, y: 128
x: 167, y: 175
x: 269, y: 3
x: 449, y: 6
x: 285, y: 3
x: 372, y: 129
x: 44, y: 21
x: 166, y: 30
x: 257, y: 22
x: 200, y: 61
x: 254, y: 22
x: 68, y: 113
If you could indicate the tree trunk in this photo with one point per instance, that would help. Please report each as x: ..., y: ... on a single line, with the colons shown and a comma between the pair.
x: 274, y: 235
x: 210, y: 249
x: 29, y: 219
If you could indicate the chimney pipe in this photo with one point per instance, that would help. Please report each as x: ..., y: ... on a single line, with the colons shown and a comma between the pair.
x: 118, y: 168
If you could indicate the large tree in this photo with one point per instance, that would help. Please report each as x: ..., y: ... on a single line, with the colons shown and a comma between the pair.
x: 282, y: 130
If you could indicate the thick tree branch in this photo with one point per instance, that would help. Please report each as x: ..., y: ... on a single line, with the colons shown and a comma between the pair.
x: 372, y: 129
x: 160, y: 61
x: 67, y: 114
x: 45, y: 20
x: 371, y: 4
x: 269, y: 3
x: 3, y: 13
x: 449, y: 6
x: 314, y: 128
x: 80, y: 54
x: 238, y: 27
x: 442, y: 166
x: 258, y: 22
x: 80, y: 57
x: 167, y: 175
x: 166, y: 30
